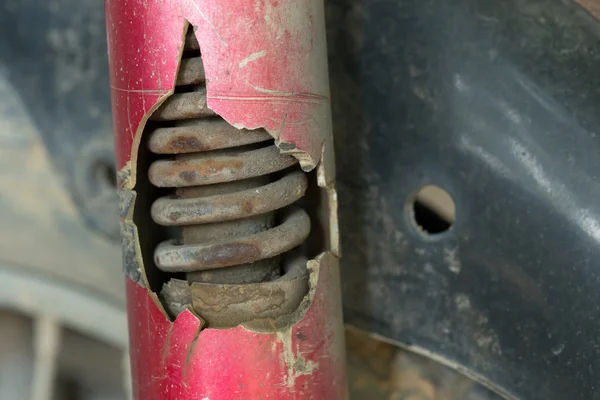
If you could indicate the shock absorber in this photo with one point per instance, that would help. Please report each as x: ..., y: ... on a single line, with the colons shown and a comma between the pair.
x: 230, y: 248
x: 231, y: 197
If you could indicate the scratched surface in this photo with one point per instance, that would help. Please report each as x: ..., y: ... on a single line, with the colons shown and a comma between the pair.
x: 268, y: 69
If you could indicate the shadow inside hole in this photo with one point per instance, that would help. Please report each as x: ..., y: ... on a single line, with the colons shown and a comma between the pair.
x: 433, y: 210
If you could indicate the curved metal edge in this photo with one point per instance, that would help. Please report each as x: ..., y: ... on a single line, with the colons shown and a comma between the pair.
x: 437, y: 358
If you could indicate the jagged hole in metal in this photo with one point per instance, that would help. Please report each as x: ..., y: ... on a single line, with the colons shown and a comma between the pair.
x: 228, y: 209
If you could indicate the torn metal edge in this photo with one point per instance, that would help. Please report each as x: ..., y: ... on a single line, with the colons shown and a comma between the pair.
x: 133, y: 264
x: 127, y: 178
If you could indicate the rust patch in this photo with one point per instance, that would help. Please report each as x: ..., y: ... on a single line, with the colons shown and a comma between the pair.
x: 234, y: 253
x: 209, y: 169
x: 181, y: 173
x: 214, y: 167
x: 204, y: 135
x: 295, y: 228
x: 220, y: 301
x: 325, y: 260
x: 187, y: 176
x: 247, y: 206
x: 201, y: 205
x: 181, y: 144
x: 174, y: 215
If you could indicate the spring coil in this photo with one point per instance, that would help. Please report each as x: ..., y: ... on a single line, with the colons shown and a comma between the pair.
x: 228, y: 187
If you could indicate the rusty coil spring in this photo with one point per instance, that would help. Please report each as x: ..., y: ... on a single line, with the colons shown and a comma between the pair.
x: 228, y: 184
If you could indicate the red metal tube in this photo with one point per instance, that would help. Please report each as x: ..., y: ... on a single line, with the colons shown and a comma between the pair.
x: 265, y: 64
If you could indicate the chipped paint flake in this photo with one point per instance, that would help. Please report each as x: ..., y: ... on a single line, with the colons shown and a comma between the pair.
x: 294, y: 361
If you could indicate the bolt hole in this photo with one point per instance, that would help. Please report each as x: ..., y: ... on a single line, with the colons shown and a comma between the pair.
x: 106, y: 174
x: 433, y: 210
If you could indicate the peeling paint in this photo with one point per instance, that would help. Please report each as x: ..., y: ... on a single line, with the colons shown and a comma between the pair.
x: 124, y: 178
x: 295, y: 363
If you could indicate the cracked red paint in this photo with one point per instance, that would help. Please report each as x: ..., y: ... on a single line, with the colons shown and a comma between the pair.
x: 303, y: 362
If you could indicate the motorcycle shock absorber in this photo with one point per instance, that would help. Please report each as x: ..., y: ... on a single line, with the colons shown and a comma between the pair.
x: 231, y: 197
x: 227, y: 199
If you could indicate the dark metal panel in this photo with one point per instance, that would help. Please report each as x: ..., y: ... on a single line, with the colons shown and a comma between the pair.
x: 496, y: 102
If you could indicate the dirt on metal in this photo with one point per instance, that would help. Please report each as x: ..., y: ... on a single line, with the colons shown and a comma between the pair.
x: 230, y: 206
x: 231, y: 304
x: 182, y: 106
x: 203, y: 135
x: 224, y: 252
x: 207, y: 168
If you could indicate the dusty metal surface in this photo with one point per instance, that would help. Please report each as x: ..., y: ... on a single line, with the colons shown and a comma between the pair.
x: 234, y: 304
x: 219, y: 252
x: 497, y: 104
x: 191, y: 71
x: 230, y: 206
x: 203, y: 135
x: 206, y: 168
x: 182, y: 106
